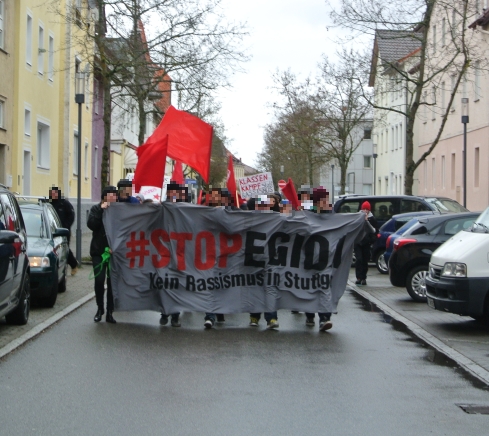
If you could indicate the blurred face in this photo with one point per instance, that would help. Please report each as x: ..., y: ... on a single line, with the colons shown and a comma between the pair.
x: 215, y: 198
x: 54, y: 194
x: 111, y: 197
x: 263, y: 203
x: 323, y: 204
x: 125, y: 192
x: 172, y: 195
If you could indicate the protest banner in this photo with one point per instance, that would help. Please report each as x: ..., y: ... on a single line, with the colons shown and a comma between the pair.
x: 257, y: 184
x: 172, y: 257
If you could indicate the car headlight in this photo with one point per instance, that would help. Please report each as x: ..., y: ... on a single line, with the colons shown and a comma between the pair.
x: 454, y: 269
x: 37, y: 261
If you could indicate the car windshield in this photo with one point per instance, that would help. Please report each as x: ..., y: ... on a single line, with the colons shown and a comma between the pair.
x: 481, y: 224
x: 33, y: 222
x: 446, y: 205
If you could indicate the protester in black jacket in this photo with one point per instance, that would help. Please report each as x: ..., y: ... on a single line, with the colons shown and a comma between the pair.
x: 66, y: 214
x: 362, y: 249
x: 97, y: 248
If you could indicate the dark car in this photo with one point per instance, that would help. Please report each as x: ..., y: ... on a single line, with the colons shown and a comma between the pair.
x: 391, y: 226
x: 409, y: 262
x: 14, y: 264
x: 389, y: 244
x: 384, y: 207
x: 47, y: 251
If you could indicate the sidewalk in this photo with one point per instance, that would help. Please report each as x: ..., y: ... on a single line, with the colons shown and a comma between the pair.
x: 460, y: 338
x: 79, y: 290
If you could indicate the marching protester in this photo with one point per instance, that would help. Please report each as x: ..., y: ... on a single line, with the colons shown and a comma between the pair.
x: 66, y: 214
x: 125, y: 192
x: 321, y: 204
x: 217, y: 197
x: 175, y: 193
x: 362, y: 249
x: 263, y: 204
x: 305, y: 197
x: 98, y: 247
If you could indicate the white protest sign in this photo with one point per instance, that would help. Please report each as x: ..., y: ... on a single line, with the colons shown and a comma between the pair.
x: 257, y: 184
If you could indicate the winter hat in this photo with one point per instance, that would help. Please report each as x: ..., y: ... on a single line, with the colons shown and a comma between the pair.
x: 319, y: 193
x: 108, y: 189
x: 365, y: 205
x: 140, y: 196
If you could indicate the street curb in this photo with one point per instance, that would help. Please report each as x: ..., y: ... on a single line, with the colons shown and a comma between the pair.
x: 44, y: 325
x: 464, y: 362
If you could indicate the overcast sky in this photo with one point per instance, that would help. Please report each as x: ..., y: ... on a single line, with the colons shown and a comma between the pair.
x: 283, y: 34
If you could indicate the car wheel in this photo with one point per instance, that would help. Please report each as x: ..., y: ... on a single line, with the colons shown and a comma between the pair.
x: 62, y: 283
x: 20, y: 315
x: 416, y: 283
x: 380, y: 262
x: 50, y: 301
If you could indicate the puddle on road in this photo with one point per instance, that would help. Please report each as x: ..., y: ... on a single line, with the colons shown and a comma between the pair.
x: 432, y: 355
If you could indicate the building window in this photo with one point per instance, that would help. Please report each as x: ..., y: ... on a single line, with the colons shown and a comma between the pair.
x: 433, y: 98
x: 2, y: 114
x: 452, y: 172
x: 393, y: 138
x: 433, y: 173
x: 434, y: 39
x: 42, y: 145
x: 27, y: 122
x: 95, y: 163
x: 28, y: 43
x: 2, y: 14
x: 75, y: 153
x: 400, y: 135
x: 78, y: 12
x: 95, y: 95
x: 51, y: 58
x: 40, y: 52
x: 443, y: 31
x: 85, y: 163
x: 397, y: 137
x: 425, y: 174
x: 367, y: 133
x: 453, y: 81
x: 367, y: 161
x: 476, y: 167
x: 443, y: 172
x: 443, y: 99
x: 477, y: 81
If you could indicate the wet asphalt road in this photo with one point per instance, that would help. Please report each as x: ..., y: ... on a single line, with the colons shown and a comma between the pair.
x: 364, y: 377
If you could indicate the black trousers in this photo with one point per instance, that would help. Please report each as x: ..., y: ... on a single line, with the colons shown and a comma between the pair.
x: 99, y: 284
x: 72, y: 262
x: 362, y: 254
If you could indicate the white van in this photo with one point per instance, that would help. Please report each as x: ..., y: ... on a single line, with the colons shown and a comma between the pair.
x: 458, y: 279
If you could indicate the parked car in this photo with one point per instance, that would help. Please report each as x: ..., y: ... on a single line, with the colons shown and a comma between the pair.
x: 409, y: 262
x: 384, y: 207
x: 458, y: 281
x: 391, y: 226
x: 47, y: 250
x: 389, y: 244
x: 14, y: 264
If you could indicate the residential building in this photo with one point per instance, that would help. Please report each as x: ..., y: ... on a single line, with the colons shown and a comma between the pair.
x: 394, y: 54
x: 442, y: 172
x: 7, y: 74
x: 359, y: 174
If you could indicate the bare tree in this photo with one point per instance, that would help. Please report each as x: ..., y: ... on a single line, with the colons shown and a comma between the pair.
x: 438, y: 56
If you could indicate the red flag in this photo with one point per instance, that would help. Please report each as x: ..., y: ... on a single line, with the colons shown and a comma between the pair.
x: 291, y: 194
x: 231, y: 181
x: 177, y: 175
x: 189, y: 139
x: 150, y: 169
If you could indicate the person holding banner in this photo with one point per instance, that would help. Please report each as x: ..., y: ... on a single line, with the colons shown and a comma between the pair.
x: 362, y: 249
x: 263, y: 204
x: 320, y: 204
x: 125, y: 192
x: 98, y: 248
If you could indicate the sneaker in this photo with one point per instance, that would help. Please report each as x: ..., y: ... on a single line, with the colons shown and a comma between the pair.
x: 325, y: 325
x: 272, y: 324
x: 253, y: 321
x: 310, y: 321
x: 208, y: 323
x: 220, y: 318
x: 175, y: 322
x: 358, y: 282
x: 164, y: 320
x: 364, y: 282
x: 74, y: 271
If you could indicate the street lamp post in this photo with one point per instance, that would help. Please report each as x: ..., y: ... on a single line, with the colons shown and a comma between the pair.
x: 332, y: 184
x: 79, y: 99
x: 465, y: 121
x: 374, y: 155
